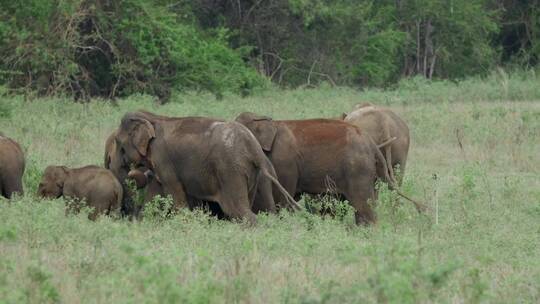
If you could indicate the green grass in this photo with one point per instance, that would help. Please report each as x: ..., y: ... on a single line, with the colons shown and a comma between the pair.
x: 480, y: 243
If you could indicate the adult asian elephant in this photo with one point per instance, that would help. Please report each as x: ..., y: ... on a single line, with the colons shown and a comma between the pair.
x: 321, y: 155
x: 384, y: 126
x: 11, y: 167
x: 203, y: 159
x: 144, y: 178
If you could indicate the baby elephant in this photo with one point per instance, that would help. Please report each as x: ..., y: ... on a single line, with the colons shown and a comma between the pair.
x: 98, y: 186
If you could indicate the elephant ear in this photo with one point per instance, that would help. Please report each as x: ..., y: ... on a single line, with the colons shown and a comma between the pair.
x: 60, y: 175
x: 110, y: 146
x: 265, y: 131
x: 141, y: 133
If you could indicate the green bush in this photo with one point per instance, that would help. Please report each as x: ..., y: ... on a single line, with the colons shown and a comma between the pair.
x: 159, y: 209
x: 86, y: 48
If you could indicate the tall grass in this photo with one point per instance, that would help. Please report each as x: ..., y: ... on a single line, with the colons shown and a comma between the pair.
x: 474, y: 158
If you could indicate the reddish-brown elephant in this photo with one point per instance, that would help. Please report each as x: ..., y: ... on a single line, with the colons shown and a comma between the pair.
x: 320, y: 155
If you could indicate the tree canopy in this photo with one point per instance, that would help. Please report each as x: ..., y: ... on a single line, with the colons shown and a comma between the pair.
x: 114, y: 48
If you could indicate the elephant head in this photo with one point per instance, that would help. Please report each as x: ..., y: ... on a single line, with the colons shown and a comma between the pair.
x: 261, y: 126
x: 141, y: 178
x: 133, y: 138
x: 52, y: 182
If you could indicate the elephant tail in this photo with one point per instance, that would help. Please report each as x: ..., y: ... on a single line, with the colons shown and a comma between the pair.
x: 388, y: 155
x: 386, y: 143
x: 420, y: 207
x: 294, y: 205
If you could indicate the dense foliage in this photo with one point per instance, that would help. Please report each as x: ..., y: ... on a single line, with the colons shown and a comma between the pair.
x: 110, y: 48
x: 114, y: 48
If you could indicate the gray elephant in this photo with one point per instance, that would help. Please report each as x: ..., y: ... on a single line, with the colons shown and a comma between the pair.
x: 145, y: 179
x: 321, y: 155
x: 387, y: 129
x: 98, y: 186
x: 197, y: 158
x: 11, y: 167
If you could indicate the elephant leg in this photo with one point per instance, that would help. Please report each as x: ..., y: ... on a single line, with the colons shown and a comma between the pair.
x: 13, y: 185
x: 401, y: 163
x: 234, y: 199
x: 2, y: 189
x: 359, y: 192
x: 95, y: 213
x: 264, y: 199
x: 102, y: 208
x: 388, y: 155
x: 176, y: 190
x: 115, y: 205
x: 152, y: 189
x: 287, y: 175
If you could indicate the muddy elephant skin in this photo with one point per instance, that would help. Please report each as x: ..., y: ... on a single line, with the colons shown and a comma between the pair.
x: 319, y: 156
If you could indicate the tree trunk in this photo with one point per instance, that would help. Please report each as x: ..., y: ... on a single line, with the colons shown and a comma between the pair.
x: 418, y: 46
x: 429, y: 53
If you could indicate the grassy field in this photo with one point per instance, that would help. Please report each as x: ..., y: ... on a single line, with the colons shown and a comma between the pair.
x: 475, y: 158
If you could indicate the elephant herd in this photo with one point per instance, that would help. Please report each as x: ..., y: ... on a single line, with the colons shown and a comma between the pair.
x: 236, y: 168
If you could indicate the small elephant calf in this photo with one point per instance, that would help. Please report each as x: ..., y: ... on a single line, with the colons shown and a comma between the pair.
x: 97, y: 186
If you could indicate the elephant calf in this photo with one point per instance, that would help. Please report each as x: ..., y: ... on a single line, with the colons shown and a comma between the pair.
x: 384, y: 126
x: 98, y: 186
x: 11, y: 167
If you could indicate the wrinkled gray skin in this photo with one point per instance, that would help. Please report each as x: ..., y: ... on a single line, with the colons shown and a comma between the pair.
x: 11, y: 167
x: 197, y: 158
x: 98, y: 186
x: 382, y: 124
x: 321, y: 155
